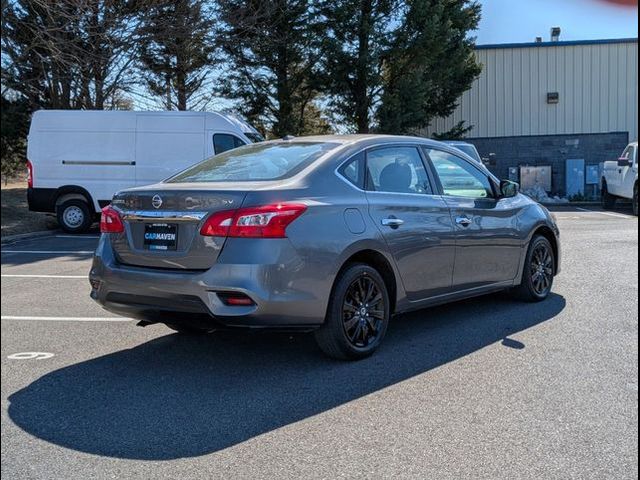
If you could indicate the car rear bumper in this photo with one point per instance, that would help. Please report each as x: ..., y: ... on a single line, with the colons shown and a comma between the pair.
x: 170, y: 296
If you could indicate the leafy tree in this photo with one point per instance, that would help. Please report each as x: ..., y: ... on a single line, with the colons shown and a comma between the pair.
x: 177, y: 52
x: 13, y: 133
x: 430, y: 63
x: 354, y: 42
x: 269, y: 58
x: 67, y: 54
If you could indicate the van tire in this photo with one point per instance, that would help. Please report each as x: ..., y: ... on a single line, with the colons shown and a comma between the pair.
x: 74, y: 216
x: 608, y: 200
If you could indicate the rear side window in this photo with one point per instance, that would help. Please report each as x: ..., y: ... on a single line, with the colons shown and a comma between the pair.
x: 458, y: 177
x: 255, y: 162
x: 353, y: 170
x: 223, y: 142
x: 397, y: 170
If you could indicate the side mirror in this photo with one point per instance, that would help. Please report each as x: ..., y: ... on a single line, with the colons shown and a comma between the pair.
x: 624, y: 162
x: 509, y: 189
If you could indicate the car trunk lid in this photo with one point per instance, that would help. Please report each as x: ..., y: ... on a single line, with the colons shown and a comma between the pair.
x: 162, y: 225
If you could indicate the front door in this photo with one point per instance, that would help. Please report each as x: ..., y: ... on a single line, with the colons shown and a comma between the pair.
x: 488, y: 245
x: 412, y: 218
x: 629, y: 173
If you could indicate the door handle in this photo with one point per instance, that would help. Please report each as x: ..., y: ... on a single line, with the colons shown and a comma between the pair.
x: 463, y: 221
x: 392, y: 222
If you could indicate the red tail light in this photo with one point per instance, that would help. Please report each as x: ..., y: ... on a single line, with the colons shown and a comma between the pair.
x: 268, y: 221
x: 29, y: 174
x: 110, y: 221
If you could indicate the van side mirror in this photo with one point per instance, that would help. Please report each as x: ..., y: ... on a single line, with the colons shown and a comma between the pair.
x: 624, y: 162
x: 509, y: 189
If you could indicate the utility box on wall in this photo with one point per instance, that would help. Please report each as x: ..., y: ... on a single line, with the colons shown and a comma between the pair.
x: 575, y: 177
x: 530, y: 177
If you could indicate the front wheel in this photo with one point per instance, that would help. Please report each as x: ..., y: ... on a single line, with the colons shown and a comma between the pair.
x: 539, y: 271
x: 358, y: 314
x: 608, y: 200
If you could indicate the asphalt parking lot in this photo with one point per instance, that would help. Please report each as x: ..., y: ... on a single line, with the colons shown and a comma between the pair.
x: 486, y: 388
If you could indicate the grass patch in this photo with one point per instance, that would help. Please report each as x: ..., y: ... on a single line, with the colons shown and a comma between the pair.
x: 16, y: 217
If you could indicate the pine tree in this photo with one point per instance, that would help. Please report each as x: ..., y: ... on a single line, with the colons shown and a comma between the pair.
x: 355, y: 34
x: 430, y: 63
x: 269, y: 61
x: 177, y: 52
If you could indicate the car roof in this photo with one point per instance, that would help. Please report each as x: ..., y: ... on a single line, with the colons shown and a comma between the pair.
x: 356, y: 139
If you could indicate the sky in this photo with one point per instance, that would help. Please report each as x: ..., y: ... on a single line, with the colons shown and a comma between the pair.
x: 517, y: 21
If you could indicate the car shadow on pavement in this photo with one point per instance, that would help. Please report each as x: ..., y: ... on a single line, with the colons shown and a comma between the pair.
x: 180, y: 396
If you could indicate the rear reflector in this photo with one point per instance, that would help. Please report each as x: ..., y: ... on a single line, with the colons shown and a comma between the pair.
x: 29, y: 174
x: 235, y: 299
x: 268, y: 221
x: 110, y: 221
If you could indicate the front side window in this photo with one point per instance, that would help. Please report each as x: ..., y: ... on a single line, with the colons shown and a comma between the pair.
x: 397, y: 170
x: 255, y: 162
x: 223, y: 142
x: 458, y: 177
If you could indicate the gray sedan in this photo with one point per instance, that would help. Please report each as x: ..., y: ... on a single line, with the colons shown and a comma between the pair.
x: 331, y: 234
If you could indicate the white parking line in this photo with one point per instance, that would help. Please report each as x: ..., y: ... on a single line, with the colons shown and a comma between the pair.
x: 54, y: 252
x: 43, y: 276
x: 68, y: 319
x: 610, y: 214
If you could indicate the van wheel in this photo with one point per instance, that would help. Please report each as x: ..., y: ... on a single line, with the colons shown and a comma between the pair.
x: 608, y: 200
x: 358, y: 314
x: 74, y: 216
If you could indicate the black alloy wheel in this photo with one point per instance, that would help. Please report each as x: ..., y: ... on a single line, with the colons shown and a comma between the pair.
x: 357, y: 315
x: 363, y: 312
x: 541, y: 269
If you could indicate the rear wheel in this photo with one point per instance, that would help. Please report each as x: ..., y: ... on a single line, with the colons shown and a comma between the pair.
x: 358, y: 314
x: 608, y: 200
x: 74, y: 216
x: 539, y: 270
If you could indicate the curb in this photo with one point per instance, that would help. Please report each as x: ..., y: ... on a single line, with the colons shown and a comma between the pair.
x: 24, y: 236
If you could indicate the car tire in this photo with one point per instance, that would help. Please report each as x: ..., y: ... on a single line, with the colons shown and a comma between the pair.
x: 357, y: 316
x: 74, y: 216
x: 635, y: 200
x: 608, y: 200
x: 538, y: 273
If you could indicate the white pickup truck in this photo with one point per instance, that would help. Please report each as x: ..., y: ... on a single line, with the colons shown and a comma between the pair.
x: 620, y: 178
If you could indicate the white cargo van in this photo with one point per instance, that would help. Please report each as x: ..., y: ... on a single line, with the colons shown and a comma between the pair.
x: 78, y: 159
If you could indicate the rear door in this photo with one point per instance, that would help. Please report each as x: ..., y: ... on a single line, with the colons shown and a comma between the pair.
x: 414, y: 221
x: 488, y: 245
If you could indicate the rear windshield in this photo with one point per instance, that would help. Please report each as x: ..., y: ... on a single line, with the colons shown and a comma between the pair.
x: 264, y: 161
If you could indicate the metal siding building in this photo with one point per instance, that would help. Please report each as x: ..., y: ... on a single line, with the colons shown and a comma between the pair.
x: 597, y: 83
x: 512, y: 121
